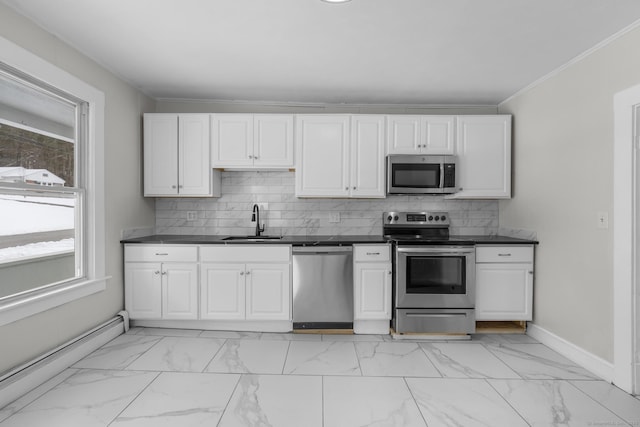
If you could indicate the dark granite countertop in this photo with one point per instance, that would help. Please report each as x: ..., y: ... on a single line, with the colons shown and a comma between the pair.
x: 309, y: 240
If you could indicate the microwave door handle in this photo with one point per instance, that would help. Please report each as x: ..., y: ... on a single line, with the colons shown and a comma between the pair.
x: 441, y: 175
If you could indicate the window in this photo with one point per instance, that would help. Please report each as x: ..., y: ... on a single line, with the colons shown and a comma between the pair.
x: 51, y: 186
x: 41, y: 185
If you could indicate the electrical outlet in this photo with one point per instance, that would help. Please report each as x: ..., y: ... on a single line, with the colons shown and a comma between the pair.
x: 192, y: 215
x: 334, y: 217
x: 603, y: 219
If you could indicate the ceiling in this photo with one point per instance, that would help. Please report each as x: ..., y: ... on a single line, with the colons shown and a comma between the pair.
x: 426, y: 52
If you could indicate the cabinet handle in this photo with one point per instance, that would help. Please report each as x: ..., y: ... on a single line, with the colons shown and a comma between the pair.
x: 346, y: 188
x: 173, y: 186
x: 242, y: 273
x: 180, y: 186
x: 156, y: 272
x: 504, y: 254
x: 164, y: 273
x: 354, y: 188
x: 373, y: 253
x: 255, y: 157
x: 531, y: 273
x: 389, y: 272
x: 248, y: 273
x: 251, y: 157
x: 161, y: 253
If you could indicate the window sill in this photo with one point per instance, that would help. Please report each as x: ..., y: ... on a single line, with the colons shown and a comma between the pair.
x: 28, y: 305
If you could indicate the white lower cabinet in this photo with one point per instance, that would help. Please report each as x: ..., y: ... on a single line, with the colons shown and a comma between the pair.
x: 372, y: 289
x: 222, y: 291
x: 161, y: 282
x: 234, y: 289
x: 504, y: 283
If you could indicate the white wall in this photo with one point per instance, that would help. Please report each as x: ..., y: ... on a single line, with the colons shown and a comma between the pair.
x: 125, y: 208
x: 563, y: 176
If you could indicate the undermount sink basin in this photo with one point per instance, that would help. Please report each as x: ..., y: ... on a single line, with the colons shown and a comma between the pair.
x: 253, y: 238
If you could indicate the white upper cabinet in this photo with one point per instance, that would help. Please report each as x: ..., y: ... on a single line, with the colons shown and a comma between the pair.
x: 231, y: 140
x: 252, y: 141
x: 322, y: 156
x: 340, y: 156
x: 176, y: 156
x: 273, y: 140
x: 367, y: 156
x: 415, y: 134
x: 484, y: 157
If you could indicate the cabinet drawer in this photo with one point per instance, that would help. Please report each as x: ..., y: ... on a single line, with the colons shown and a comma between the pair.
x: 371, y: 253
x: 504, y: 254
x: 245, y: 253
x: 173, y: 253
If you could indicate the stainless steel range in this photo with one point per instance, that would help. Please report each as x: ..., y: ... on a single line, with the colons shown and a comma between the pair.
x: 434, y: 274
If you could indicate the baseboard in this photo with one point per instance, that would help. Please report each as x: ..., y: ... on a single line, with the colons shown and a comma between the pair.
x: 29, y: 376
x: 589, y: 361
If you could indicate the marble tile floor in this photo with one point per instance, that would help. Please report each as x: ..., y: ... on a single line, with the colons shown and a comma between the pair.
x: 169, y: 377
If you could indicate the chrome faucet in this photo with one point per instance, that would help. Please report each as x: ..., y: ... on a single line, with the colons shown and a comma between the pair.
x: 255, y: 216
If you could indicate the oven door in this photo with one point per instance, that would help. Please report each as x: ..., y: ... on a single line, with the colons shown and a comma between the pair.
x: 435, y: 277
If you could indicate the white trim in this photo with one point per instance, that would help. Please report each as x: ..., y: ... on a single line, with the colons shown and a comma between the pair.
x: 589, y: 361
x: 571, y: 62
x: 624, y: 238
x: 29, y: 305
x: 42, y: 369
x: 326, y: 105
x: 95, y: 267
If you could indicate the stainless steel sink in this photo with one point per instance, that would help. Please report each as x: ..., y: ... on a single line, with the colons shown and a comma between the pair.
x: 253, y: 238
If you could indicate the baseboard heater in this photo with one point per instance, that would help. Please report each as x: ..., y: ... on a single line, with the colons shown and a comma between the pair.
x: 26, y: 377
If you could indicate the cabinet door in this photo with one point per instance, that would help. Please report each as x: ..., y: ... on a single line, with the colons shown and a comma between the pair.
x: 232, y: 140
x: 179, y: 291
x: 322, y: 156
x: 403, y: 134
x: 437, y: 135
x: 143, y: 290
x: 222, y: 291
x: 268, y: 292
x: 273, y: 141
x: 160, y: 154
x: 194, y: 167
x: 367, y: 156
x: 484, y: 157
x: 504, y: 291
x: 372, y: 291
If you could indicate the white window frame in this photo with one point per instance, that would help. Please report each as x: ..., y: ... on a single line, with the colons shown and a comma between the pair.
x: 21, y: 306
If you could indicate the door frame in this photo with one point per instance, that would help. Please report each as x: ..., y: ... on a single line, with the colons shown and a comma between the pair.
x: 625, y: 256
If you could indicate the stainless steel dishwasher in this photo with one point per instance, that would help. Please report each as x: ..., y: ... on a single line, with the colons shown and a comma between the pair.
x: 322, y: 287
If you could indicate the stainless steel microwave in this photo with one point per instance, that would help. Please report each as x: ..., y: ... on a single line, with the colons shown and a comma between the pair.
x: 421, y: 174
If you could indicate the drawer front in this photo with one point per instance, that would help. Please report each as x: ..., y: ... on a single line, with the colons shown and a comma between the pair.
x: 245, y: 253
x: 172, y: 253
x: 371, y: 253
x: 504, y: 254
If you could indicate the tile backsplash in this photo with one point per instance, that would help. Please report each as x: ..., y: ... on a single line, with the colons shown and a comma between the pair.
x: 284, y: 214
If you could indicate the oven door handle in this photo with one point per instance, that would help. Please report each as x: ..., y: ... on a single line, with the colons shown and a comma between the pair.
x: 437, y: 251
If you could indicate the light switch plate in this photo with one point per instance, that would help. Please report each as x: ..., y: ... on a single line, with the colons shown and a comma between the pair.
x: 334, y: 217
x: 192, y: 215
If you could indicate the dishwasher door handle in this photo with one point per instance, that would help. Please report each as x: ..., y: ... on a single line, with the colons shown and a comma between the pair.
x: 329, y: 250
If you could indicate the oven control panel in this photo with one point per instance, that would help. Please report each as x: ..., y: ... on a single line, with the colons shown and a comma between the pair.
x: 416, y: 218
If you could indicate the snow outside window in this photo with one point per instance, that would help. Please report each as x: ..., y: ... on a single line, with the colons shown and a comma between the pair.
x: 42, y: 189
